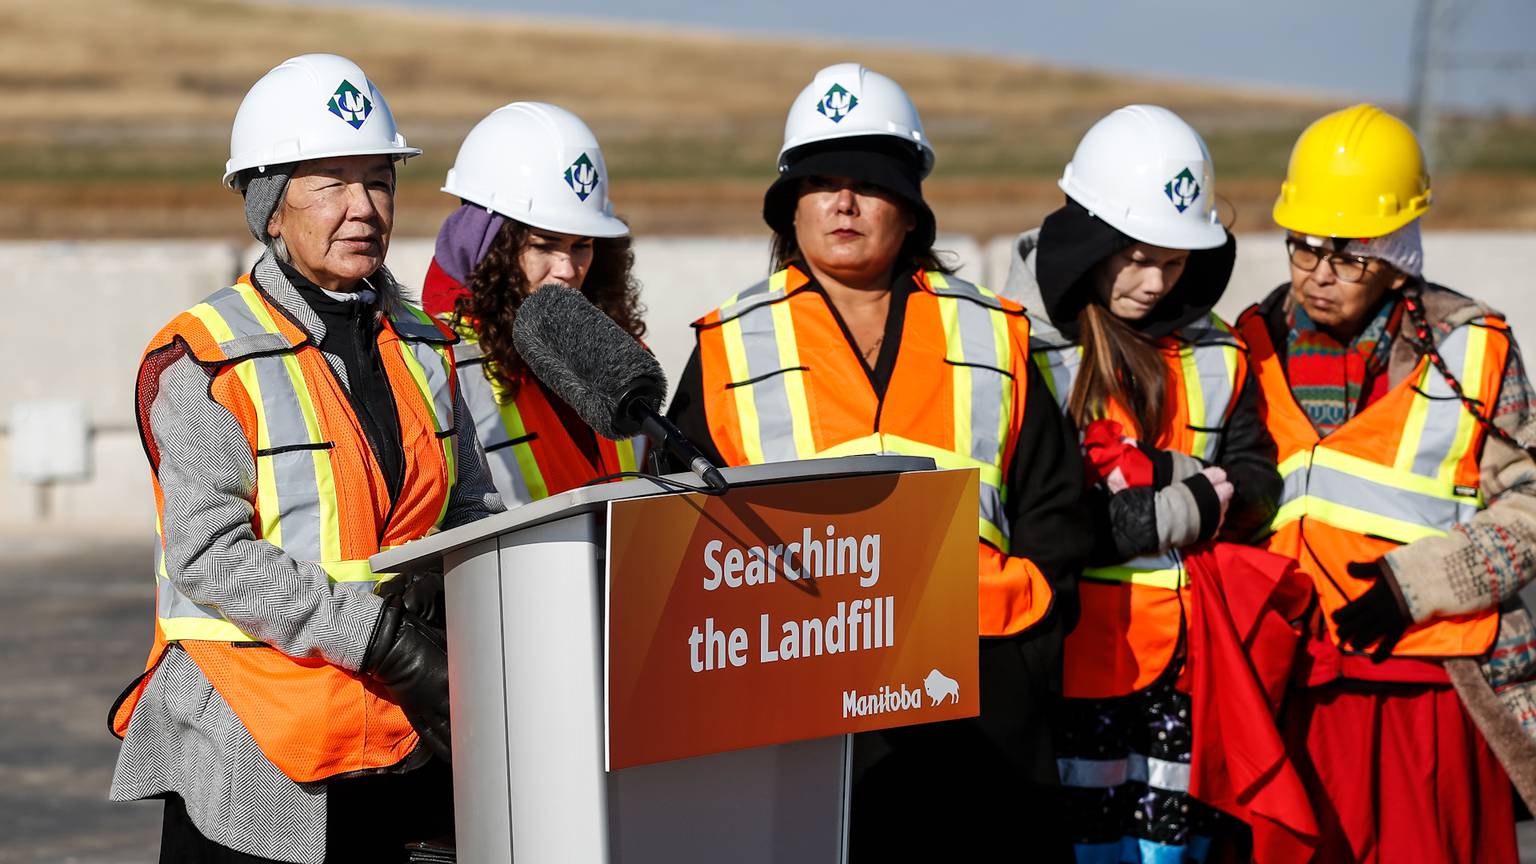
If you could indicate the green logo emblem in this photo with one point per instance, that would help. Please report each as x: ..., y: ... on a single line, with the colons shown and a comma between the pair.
x: 350, y: 104
x: 836, y: 104
x: 1182, y: 190
x: 582, y: 177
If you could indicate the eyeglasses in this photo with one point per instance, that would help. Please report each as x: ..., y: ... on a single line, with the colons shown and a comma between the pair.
x: 1349, y: 268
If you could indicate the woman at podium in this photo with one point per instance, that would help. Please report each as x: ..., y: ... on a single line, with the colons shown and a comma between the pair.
x: 534, y: 211
x: 297, y: 423
x: 863, y: 341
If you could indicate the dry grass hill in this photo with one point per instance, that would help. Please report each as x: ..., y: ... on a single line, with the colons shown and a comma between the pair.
x: 115, y: 116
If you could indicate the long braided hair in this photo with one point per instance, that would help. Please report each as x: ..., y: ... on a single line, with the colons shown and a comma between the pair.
x: 498, y: 285
x: 1413, y: 299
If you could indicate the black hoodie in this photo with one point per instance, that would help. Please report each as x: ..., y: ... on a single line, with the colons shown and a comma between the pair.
x: 1073, y: 242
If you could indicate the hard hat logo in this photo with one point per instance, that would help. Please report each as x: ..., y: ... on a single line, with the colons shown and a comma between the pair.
x: 1182, y: 190
x: 837, y: 103
x: 350, y: 104
x: 582, y: 177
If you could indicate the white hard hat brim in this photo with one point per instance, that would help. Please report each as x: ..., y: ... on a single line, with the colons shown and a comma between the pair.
x: 921, y: 146
x: 233, y: 167
x: 579, y: 224
x: 1191, y: 237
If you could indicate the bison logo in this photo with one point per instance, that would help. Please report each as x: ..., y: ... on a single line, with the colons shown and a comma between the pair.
x: 941, y: 687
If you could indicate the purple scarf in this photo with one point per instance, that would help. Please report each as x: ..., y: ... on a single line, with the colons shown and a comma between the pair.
x: 462, y: 243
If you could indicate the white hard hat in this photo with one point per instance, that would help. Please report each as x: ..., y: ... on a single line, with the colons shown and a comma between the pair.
x: 1146, y: 172
x: 847, y: 101
x: 538, y: 164
x: 313, y: 106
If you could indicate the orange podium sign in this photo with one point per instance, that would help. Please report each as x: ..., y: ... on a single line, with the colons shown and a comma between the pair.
x: 785, y: 612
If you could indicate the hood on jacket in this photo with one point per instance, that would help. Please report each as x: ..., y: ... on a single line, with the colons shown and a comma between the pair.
x: 1052, y: 275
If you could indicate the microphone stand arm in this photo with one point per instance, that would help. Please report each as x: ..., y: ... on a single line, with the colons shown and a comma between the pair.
x: 665, y: 433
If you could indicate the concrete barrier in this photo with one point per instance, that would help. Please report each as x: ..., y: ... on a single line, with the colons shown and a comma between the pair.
x: 82, y: 313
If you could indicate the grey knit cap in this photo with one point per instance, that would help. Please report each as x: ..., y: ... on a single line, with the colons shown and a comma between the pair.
x: 263, y: 192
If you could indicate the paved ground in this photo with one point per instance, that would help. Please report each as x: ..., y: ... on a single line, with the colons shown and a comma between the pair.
x: 74, y: 633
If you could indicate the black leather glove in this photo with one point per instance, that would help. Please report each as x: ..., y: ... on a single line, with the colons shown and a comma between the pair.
x: 1375, y: 616
x: 409, y: 659
x: 422, y: 594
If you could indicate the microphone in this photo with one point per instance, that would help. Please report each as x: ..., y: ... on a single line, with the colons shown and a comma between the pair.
x: 607, y: 378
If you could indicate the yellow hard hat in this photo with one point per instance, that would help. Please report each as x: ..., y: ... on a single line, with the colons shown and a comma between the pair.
x: 1358, y: 172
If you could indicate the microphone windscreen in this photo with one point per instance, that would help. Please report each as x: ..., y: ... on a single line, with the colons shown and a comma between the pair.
x: 586, y: 358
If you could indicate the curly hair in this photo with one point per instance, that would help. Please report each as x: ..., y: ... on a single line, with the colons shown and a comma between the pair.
x: 497, y: 286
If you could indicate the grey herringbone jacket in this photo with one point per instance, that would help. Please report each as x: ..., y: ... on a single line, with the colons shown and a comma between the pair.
x: 183, y: 736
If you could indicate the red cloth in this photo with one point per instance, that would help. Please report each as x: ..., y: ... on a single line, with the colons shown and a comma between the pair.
x: 1112, y: 457
x: 1241, y: 648
x: 1400, y: 774
x: 439, y: 290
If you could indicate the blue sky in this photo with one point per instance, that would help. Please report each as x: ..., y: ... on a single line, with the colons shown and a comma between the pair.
x: 1349, y: 48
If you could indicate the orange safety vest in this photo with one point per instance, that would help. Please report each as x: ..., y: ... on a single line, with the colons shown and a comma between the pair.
x: 1132, y: 613
x: 529, y: 453
x: 1404, y: 468
x: 320, y: 496
x: 781, y: 383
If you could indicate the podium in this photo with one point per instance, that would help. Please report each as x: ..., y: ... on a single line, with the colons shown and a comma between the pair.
x: 529, y: 624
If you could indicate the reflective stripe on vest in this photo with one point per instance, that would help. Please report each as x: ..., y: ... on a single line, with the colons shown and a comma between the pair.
x: 296, y: 497
x: 432, y: 370
x: 1207, y: 360
x: 1211, y: 356
x: 507, y: 436
x: 774, y: 416
x: 1416, y: 496
x: 1155, y: 571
